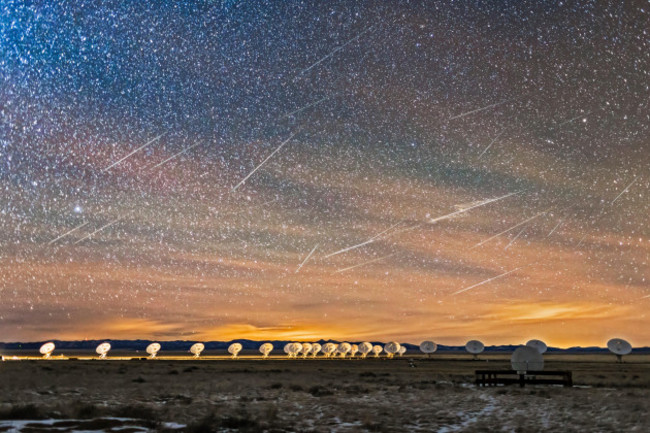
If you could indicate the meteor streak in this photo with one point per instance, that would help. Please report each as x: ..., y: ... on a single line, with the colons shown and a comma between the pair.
x: 572, y: 119
x: 458, y: 116
x: 174, y: 156
x: 263, y: 162
x: 458, y: 212
x: 369, y: 241
x: 334, y: 51
x: 98, y: 230
x: 555, y: 228
x: 68, y: 232
x: 344, y: 250
x: 299, y: 110
x: 507, y: 230
x: 625, y: 190
x: 364, y: 263
x: 514, y: 239
x: 133, y: 152
x: 487, y: 281
x: 491, y: 143
x: 306, y: 258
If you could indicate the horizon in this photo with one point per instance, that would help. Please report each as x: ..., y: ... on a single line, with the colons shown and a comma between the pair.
x: 284, y: 171
x: 162, y: 341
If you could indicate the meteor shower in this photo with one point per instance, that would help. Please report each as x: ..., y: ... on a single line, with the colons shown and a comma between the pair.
x: 324, y: 216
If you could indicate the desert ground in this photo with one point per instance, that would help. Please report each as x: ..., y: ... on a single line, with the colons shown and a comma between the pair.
x: 413, y: 393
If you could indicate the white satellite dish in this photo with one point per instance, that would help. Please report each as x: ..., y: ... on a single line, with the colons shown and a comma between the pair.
x: 354, y: 349
x: 102, y: 350
x: 47, y: 349
x: 377, y: 349
x: 526, y: 358
x: 196, y: 349
x: 401, y: 351
x: 315, y: 348
x: 265, y: 349
x: 306, y: 349
x: 537, y: 344
x: 474, y: 347
x: 153, y: 350
x: 344, y: 349
x: 619, y: 347
x: 365, y: 348
x: 392, y: 348
x: 295, y: 349
x: 329, y: 349
x: 286, y: 349
x: 234, y: 349
x: 428, y: 347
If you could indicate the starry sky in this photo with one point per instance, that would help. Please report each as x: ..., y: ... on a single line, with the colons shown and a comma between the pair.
x: 212, y: 170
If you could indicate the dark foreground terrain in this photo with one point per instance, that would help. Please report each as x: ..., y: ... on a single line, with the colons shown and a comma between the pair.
x: 406, y: 394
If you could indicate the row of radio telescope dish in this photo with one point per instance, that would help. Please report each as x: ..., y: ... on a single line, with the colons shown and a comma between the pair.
x: 332, y: 350
x: 617, y: 346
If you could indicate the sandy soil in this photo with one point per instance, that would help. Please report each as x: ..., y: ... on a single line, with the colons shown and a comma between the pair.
x: 326, y: 395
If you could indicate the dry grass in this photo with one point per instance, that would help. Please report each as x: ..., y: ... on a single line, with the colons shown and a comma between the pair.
x: 325, y: 395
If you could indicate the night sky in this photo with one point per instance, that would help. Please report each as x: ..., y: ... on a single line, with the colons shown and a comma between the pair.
x: 127, y: 128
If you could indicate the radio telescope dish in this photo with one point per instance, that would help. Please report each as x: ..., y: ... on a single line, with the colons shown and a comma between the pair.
x: 306, y: 348
x: 47, y: 349
x: 102, y: 350
x: 315, y: 348
x: 537, y: 344
x: 377, y: 349
x: 294, y: 349
x: 353, y: 350
x: 329, y: 349
x: 474, y: 347
x: 234, y: 349
x: 526, y: 358
x: 365, y: 348
x: 392, y: 348
x: 619, y: 347
x: 344, y: 349
x: 196, y: 349
x: 153, y: 350
x: 428, y: 347
x: 401, y: 351
x: 265, y: 349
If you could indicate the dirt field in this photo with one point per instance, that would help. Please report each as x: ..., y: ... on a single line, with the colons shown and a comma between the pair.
x: 409, y: 394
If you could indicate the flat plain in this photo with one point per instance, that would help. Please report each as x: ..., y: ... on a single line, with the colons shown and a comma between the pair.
x: 412, y: 393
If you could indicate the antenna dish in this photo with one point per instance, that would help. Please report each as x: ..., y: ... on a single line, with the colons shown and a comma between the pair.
x: 354, y: 349
x: 377, y: 349
x: 306, y: 348
x: 329, y: 349
x: 392, y: 348
x: 196, y: 349
x: 526, y: 358
x: 474, y: 347
x: 294, y: 349
x: 619, y: 347
x: 537, y: 344
x: 265, y: 349
x: 315, y: 348
x: 234, y: 349
x: 365, y: 348
x: 428, y: 347
x: 344, y: 349
x: 401, y: 351
x: 102, y: 350
x: 47, y: 349
x: 153, y: 350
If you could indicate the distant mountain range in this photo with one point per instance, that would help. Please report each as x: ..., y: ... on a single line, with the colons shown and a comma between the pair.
x: 184, y: 345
